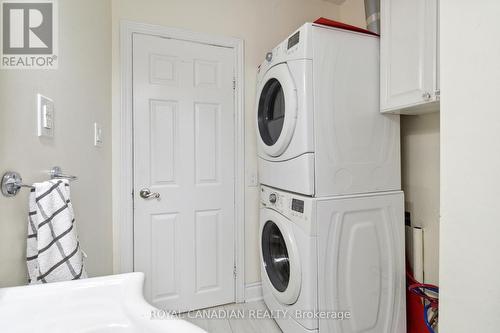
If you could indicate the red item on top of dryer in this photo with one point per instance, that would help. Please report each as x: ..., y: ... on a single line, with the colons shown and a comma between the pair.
x: 340, y: 25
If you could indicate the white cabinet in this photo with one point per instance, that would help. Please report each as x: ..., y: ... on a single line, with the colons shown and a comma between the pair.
x: 409, y: 56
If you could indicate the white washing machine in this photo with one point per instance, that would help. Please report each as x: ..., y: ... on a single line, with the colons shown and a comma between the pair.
x: 288, y: 251
x: 319, y: 129
x: 321, y: 256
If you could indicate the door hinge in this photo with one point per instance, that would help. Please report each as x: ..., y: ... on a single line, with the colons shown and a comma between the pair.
x: 234, y: 83
x: 235, y: 272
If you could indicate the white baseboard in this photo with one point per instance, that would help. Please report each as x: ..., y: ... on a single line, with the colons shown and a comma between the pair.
x: 253, y: 292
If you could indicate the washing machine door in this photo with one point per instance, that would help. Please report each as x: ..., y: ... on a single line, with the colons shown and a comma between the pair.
x: 280, y: 257
x: 276, y: 110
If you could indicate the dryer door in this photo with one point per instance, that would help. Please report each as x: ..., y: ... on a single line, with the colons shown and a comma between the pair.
x: 276, y: 110
x: 280, y: 257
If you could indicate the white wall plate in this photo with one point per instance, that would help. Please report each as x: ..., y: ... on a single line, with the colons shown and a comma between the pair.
x: 45, y: 116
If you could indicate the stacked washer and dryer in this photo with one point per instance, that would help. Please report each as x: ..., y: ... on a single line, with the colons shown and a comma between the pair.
x: 331, y: 216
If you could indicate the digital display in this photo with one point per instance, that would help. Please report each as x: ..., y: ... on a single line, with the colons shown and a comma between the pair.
x: 294, y: 40
x: 298, y: 205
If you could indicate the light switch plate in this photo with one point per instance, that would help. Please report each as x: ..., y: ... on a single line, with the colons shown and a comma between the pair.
x: 45, y: 115
x: 98, y: 139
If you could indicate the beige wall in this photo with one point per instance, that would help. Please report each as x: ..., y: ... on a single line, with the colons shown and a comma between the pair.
x: 353, y: 12
x: 262, y: 24
x: 469, y: 295
x: 420, y: 173
x: 420, y: 164
x: 81, y: 91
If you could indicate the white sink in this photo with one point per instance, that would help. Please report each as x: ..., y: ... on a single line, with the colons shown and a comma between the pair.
x: 105, y: 304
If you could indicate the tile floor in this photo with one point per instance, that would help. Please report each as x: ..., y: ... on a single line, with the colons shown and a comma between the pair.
x: 235, y: 325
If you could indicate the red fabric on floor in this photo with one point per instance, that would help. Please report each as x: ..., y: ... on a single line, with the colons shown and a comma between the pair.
x: 414, y: 314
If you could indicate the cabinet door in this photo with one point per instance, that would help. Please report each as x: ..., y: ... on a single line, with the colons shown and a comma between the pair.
x: 408, y: 53
x: 361, y: 263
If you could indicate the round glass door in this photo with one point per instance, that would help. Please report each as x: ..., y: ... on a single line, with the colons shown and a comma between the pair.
x: 275, y: 256
x: 271, y: 113
x: 276, y: 110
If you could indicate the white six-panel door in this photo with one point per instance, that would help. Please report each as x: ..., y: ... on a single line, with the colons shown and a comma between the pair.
x: 184, y: 150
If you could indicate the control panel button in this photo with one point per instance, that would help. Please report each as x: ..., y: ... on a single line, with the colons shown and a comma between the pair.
x: 272, y: 198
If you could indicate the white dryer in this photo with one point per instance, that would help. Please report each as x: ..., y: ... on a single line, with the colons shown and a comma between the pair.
x: 319, y: 129
x: 322, y: 256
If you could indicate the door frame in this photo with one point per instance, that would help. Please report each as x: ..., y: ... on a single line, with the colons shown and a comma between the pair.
x: 123, y: 190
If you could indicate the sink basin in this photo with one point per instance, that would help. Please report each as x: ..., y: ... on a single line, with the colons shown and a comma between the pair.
x: 105, y: 304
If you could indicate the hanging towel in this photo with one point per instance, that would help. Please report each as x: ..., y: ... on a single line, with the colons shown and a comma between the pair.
x: 53, y: 250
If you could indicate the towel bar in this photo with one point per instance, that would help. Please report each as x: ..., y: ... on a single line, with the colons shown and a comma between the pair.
x: 12, y: 182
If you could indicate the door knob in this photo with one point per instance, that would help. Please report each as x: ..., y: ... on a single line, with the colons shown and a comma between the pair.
x: 146, y: 193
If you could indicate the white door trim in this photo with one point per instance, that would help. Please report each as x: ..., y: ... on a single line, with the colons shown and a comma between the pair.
x: 123, y: 190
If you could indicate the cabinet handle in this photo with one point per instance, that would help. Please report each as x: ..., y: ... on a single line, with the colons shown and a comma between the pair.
x: 426, y: 96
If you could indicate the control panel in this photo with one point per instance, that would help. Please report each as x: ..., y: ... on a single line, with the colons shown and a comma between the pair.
x: 298, y: 205
x: 297, y: 46
x: 293, y: 40
x: 293, y: 206
x: 292, y: 47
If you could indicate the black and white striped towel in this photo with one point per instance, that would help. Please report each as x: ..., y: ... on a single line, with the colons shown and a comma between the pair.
x: 53, y: 250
